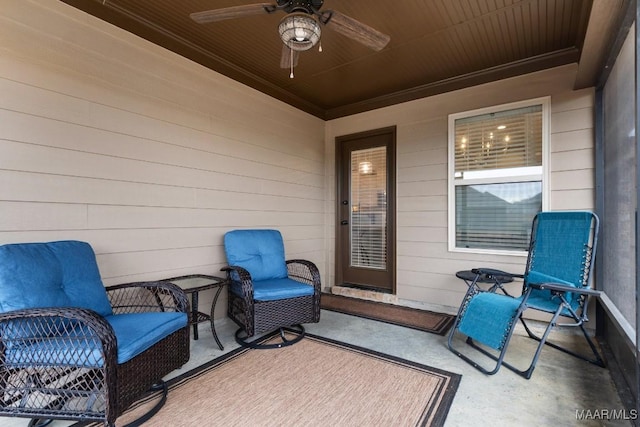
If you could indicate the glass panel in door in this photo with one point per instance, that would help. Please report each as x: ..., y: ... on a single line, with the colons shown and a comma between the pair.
x: 369, y: 208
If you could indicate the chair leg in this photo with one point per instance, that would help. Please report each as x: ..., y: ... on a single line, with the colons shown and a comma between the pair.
x: 298, y: 330
x: 498, y: 359
x: 39, y: 422
x: 596, y: 360
x: 159, y: 386
x: 471, y: 361
x: 162, y: 386
x: 454, y: 328
x: 470, y: 342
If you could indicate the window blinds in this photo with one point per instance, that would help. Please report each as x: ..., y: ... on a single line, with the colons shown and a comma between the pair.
x: 500, y: 140
x: 496, y: 216
x: 369, y: 208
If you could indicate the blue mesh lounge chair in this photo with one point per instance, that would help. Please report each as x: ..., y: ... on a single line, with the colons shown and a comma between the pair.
x: 72, y: 349
x: 267, y: 293
x: 557, y: 280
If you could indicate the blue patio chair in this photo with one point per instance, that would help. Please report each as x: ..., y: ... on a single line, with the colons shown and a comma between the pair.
x: 556, y: 280
x: 72, y: 349
x: 267, y: 293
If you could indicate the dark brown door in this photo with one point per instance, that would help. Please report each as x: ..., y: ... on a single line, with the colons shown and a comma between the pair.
x: 365, y: 237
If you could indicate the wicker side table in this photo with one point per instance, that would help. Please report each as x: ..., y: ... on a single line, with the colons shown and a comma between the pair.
x: 193, y: 284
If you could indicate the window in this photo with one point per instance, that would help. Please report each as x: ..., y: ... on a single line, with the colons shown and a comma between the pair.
x: 497, y: 163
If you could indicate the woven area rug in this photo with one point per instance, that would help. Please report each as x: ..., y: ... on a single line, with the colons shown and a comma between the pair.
x: 316, y: 382
x: 424, y: 320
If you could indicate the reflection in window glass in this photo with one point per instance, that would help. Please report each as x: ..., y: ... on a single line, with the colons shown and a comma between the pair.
x: 496, y: 216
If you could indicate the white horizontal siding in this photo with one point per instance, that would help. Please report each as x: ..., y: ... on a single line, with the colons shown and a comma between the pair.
x: 149, y: 157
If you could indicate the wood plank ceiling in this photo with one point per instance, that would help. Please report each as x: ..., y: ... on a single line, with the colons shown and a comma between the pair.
x: 436, y: 46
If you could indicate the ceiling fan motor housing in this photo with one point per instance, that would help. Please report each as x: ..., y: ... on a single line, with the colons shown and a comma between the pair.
x: 307, y: 6
x: 299, y: 31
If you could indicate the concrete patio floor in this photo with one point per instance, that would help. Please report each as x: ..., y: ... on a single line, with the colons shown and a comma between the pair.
x: 561, y: 389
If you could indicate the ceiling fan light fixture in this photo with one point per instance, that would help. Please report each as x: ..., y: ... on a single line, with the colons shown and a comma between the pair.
x: 299, y: 31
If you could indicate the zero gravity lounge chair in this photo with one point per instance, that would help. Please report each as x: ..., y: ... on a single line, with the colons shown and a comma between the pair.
x: 556, y: 280
x: 267, y: 293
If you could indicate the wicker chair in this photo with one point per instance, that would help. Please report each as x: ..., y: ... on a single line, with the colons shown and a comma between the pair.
x: 267, y: 293
x: 72, y: 349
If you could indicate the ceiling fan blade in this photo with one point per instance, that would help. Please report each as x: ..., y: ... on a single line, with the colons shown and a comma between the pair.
x: 216, y: 15
x: 354, y: 29
x: 287, y: 56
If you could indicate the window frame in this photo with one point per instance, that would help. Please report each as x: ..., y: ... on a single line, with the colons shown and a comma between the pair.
x: 545, y: 102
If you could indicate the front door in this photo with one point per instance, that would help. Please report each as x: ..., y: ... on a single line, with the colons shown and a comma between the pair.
x: 366, y: 210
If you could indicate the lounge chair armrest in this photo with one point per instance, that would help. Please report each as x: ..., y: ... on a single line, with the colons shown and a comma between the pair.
x: 559, y: 287
x: 242, y: 273
x: 237, y: 274
x: 140, y: 297
x: 494, y: 272
x: 63, y: 328
x: 304, y: 271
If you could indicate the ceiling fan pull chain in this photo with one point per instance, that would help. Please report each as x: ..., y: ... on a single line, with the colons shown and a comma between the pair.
x: 320, y: 46
x: 291, y: 63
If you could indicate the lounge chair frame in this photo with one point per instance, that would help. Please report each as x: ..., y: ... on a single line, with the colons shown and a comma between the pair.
x: 576, y: 310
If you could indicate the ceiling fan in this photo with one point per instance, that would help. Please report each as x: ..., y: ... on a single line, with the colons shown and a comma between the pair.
x: 300, y: 29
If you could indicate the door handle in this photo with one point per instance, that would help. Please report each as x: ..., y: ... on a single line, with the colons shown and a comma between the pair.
x: 344, y: 222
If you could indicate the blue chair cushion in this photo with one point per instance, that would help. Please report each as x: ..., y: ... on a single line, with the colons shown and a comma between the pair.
x: 55, y: 274
x: 135, y: 333
x: 260, y: 252
x: 71, y: 348
x: 488, y: 318
x: 275, y: 289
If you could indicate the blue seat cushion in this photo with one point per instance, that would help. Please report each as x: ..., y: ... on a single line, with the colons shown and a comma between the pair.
x: 54, y: 274
x: 71, y: 348
x: 276, y: 289
x: 488, y: 318
x: 135, y: 333
x: 260, y: 252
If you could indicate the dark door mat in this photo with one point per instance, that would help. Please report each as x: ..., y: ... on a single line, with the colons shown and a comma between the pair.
x: 424, y: 320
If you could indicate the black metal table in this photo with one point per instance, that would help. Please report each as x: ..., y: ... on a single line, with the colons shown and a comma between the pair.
x: 496, y: 280
x: 193, y: 284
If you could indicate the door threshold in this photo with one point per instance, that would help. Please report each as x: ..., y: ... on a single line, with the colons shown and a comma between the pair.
x: 356, y: 292
x: 365, y: 288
